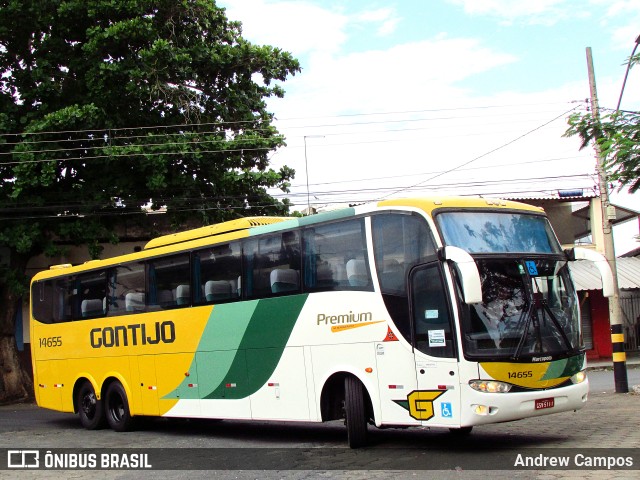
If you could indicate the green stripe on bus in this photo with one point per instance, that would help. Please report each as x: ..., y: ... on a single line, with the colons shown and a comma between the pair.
x: 327, y: 216
x: 574, y: 365
x: 217, y: 348
x: 555, y: 369
x: 227, y: 326
x: 564, y: 368
x: 259, y: 351
x: 303, y: 221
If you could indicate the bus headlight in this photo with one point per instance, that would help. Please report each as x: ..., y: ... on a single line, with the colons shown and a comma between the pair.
x: 490, y: 386
x: 579, y: 377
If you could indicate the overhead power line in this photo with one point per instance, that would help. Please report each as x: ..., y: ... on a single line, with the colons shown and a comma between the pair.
x: 99, y: 131
x: 350, y: 195
x: 487, y: 153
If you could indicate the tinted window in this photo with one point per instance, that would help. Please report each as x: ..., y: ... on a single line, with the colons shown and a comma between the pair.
x: 336, y: 257
x: 42, y: 301
x: 218, y: 271
x: 169, y: 282
x: 400, y: 242
x: 126, y: 289
x: 431, y: 313
x: 92, y: 288
x: 272, y: 265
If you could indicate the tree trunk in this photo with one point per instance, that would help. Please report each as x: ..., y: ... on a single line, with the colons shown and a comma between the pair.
x: 15, y: 383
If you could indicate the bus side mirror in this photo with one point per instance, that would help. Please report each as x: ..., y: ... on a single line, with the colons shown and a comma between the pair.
x: 469, y: 275
x: 578, y: 253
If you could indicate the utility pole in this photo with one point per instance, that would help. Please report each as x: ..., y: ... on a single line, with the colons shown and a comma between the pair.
x: 615, y: 317
x: 306, y: 166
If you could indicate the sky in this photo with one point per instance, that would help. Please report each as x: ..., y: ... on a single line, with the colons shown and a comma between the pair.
x: 462, y: 97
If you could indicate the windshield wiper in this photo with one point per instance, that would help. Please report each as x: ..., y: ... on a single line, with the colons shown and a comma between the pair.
x: 557, y: 324
x: 535, y: 307
x: 529, y: 312
x: 528, y: 316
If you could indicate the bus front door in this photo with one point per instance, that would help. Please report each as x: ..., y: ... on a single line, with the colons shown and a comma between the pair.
x: 436, y: 401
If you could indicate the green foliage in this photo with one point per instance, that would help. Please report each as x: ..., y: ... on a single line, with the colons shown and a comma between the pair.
x: 108, y: 107
x: 618, y: 138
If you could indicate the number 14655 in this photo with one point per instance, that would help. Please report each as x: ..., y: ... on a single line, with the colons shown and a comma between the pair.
x: 51, y: 342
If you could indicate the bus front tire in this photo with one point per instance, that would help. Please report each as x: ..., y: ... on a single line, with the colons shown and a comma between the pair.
x: 90, y: 409
x: 355, y: 413
x: 117, y: 408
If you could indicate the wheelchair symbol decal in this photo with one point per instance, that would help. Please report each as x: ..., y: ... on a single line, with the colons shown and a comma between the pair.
x: 531, y: 266
x: 446, y: 410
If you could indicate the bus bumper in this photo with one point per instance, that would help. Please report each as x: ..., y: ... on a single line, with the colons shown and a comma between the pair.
x: 483, y: 408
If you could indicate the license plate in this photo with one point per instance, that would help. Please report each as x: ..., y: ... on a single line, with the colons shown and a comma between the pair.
x: 544, y: 403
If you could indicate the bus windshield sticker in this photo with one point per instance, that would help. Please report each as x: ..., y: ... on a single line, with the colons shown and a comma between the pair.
x: 436, y: 338
x: 531, y: 267
x: 430, y: 314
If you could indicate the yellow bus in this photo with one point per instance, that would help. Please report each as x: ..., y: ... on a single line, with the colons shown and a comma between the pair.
x: 445, y: 312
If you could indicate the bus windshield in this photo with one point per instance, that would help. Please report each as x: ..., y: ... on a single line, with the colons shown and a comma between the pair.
x: 529, y: 309
x: 497, y: 232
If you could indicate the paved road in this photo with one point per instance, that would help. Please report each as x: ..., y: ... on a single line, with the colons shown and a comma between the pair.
x: 608, y: 421
x: 601, y: 379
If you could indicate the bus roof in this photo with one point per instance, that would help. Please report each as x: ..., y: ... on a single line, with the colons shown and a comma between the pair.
x: 430, y: 204
x: 212, y: 230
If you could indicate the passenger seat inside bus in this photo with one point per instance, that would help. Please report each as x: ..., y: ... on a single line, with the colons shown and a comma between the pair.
x: 183, y: 295
x: 134, y: 302
x: 165, y: 299
x: 357, y: 273
x: 284, y: 280
x: 217, y: 290
x: 92, y: 307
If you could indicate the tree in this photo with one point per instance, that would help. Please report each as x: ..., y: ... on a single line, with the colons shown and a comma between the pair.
x: 618, y: 137
x: 111, y: 107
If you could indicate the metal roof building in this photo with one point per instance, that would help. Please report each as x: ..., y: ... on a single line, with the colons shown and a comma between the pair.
x: 586, y: 277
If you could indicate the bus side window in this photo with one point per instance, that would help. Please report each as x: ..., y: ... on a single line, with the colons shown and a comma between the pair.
x: 334, y: 257
x: 92, y: 293
x: 63, y: 299
x: 285, y: 277
x: 217, y: 270
x: 272, y: 265
x: 400, y: 241
x: 169, y: 283
x: 126, y: 289
x: 43, y: 300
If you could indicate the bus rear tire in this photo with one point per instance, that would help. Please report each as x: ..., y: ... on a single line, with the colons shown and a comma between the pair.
x: 355, y: 412
x: 90, y: 409
x: 117, y: 408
